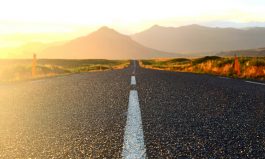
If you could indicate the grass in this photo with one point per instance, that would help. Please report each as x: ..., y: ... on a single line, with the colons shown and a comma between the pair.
x: 251, y: 67
x: 16, y: 70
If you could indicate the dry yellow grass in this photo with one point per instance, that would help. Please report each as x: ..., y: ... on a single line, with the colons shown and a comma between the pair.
x: 17, y: 70
x: 250, y: 67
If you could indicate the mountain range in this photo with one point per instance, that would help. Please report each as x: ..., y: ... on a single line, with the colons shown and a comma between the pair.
x: 104, y: 43
x: 155, y: 42
x: 196, y: 39
x: 260, y: 52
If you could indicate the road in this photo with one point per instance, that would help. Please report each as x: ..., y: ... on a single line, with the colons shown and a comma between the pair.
x: 164, y: 114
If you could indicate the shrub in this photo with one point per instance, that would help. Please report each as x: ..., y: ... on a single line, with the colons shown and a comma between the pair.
x: 257, y: 62
x: 205, y: 59
x: 177, y: 60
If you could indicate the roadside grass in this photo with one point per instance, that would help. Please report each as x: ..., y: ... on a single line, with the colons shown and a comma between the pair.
x: 251, y: 67
x: 17, y: 70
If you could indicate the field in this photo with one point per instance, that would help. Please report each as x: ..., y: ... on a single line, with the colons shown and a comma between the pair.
x: 250, y: 67
x: 16, y: 70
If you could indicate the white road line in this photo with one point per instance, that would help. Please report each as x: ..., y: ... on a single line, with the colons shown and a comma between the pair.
x: 133, y: 145
x: 133, y: 80
x: 134, y: 66
x: 256, y: 83
x: 224, y: 77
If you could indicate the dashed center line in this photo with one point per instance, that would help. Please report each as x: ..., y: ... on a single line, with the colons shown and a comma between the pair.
x: 133, y: 145
x: 256, y: 83
x: 133, y: 80
x: 134, y: 66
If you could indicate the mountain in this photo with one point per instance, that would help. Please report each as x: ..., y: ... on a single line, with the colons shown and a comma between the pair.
x: 200, y: 39
x: 232, y: 24
x: 249, y: 52
x: 104, y: 43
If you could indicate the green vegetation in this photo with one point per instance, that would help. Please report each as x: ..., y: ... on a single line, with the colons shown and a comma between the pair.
x: 14, y: 70
x: 258, y: 62
x: 164, y: 64
x: 205, y: 59
x: 250, y: 67
x: 178, y: 60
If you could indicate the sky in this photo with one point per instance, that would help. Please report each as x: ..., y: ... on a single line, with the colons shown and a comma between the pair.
x: 23, y: 21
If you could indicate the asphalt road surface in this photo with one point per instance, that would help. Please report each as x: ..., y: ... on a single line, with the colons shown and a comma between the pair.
x: 162, y: 114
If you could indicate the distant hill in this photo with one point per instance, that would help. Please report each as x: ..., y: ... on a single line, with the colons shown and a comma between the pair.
x: 249, y: 52
x: 104, y: 43
x: 200, y: 39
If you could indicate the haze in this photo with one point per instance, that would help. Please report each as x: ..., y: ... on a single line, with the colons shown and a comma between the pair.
x: 48, y: 21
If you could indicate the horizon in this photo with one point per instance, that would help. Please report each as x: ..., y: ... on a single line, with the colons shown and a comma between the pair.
x: 27, y: 49
x: 72, y: 35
